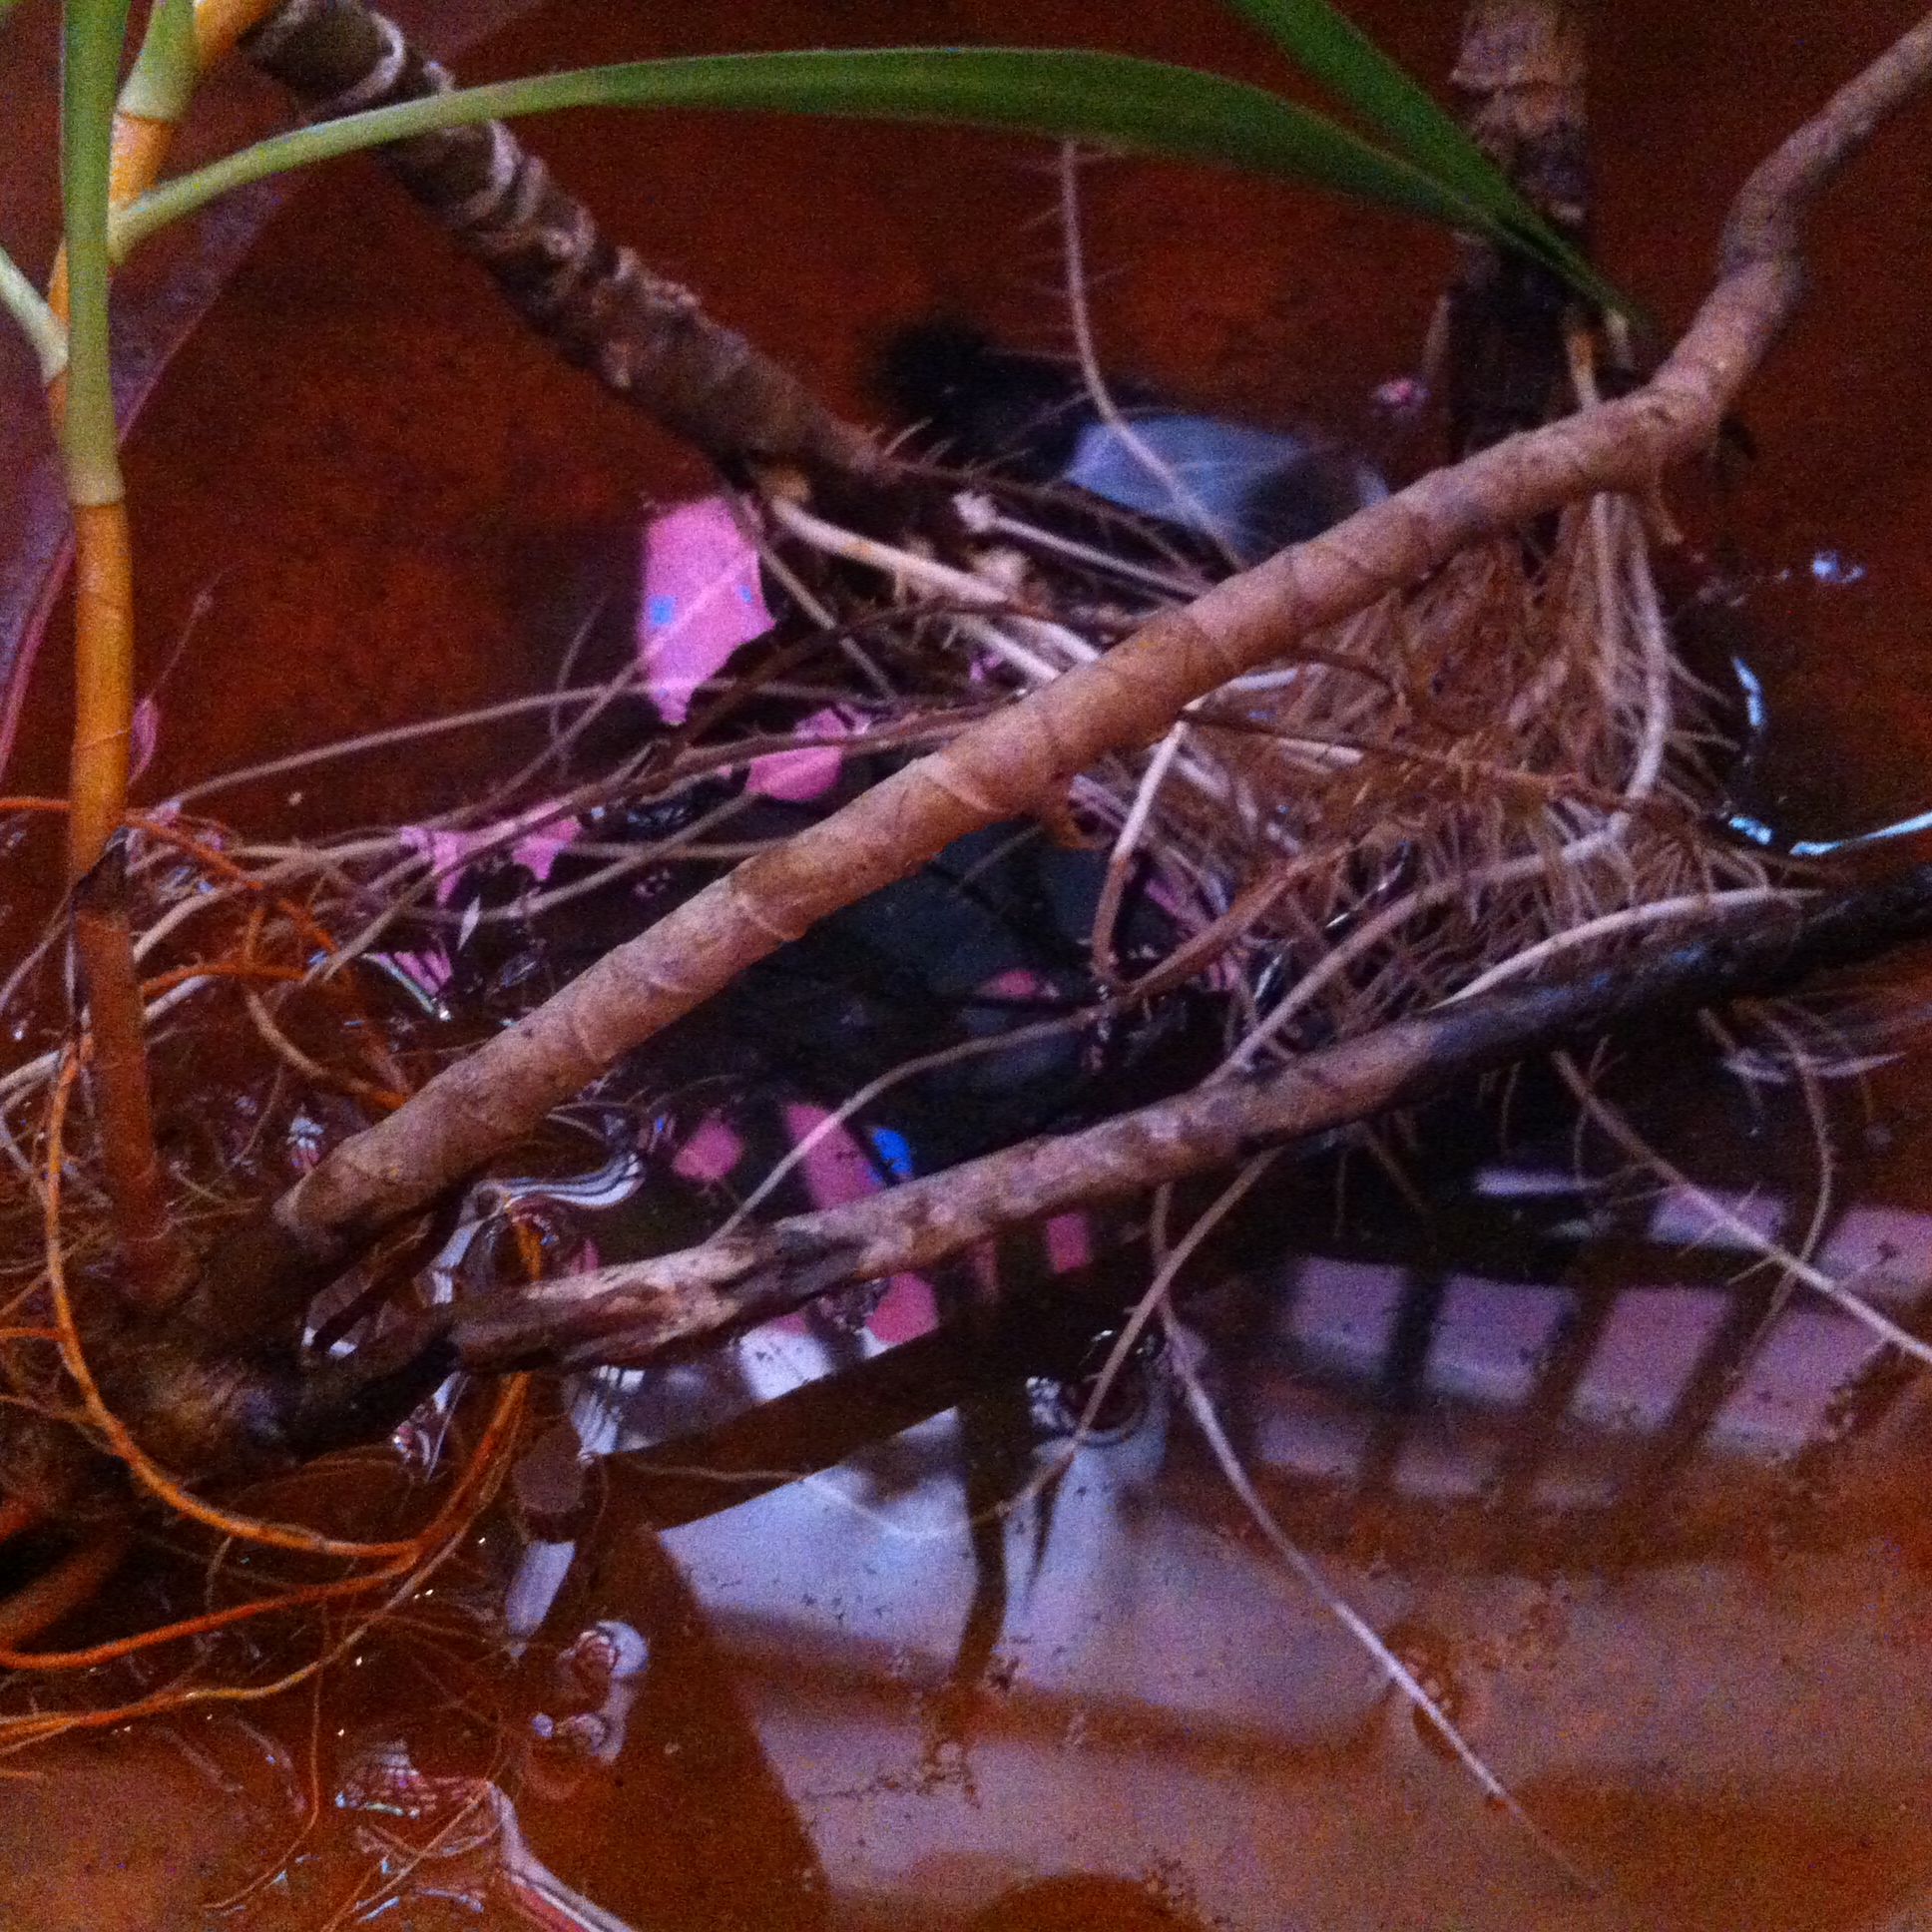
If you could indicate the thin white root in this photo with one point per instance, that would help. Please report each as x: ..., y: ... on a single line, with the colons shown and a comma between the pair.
x: 1344, y: 1613
x: 1614, y: 1124
x: 1080, y: 314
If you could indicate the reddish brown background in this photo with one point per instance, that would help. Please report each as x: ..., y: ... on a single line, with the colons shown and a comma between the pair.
x: 400, y: 505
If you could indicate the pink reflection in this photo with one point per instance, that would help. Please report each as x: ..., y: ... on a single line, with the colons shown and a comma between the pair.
x: 837, y: 1170
x: 449, y: 851
x: 906, y: 1311
x: 1015, y: 983
x: 700, y: 601
x: 710, y: 1154
x: 806, y: 773
x: 1069, y: 1245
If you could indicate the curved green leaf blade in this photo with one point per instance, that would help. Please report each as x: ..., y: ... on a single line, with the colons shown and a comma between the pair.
x: 1109, y: 99
x: 1329, y: 46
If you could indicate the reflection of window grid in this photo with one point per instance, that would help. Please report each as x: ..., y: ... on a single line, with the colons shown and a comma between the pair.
x: 1684, y: 1361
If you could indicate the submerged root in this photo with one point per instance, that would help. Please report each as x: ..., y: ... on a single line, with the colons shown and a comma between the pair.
x: 1498, y: 776
x: 108, y: 1399
x: 1443, y: 750
x: 1502, y: 776
x: 1404, y: 1680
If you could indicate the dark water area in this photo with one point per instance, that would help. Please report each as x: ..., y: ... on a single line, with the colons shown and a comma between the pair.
x: 803, y: 1644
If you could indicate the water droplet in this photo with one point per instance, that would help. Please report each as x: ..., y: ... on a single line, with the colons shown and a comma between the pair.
x: 1834, y: 566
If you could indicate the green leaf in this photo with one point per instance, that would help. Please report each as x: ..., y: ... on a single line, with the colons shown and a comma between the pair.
x: 164, y: 69
x: 1330, y: 47
x: 1108, y: 99
x: 90, y: 61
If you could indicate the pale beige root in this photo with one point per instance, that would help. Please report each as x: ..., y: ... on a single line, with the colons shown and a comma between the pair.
x: 1200, y: 1407
x: 627, y: 1313
x: 1022, y: 759
x: 1794, y: 1266
x: 1525, y: 761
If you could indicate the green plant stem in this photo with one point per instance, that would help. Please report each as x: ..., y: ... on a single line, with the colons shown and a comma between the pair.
x: 163, y: 74
x: 43, y: 328
x: 154, y: 1272
x: 90, y: 62
x: 1110, y: 99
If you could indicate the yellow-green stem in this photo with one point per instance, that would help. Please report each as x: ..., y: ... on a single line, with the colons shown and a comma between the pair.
x: 109, y: 159
x: 94, y: 151
x: 90, y: 60
x: 103, y: 680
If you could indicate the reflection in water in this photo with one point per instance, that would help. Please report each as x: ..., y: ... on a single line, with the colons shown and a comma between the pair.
x: 835, y: 1628
x: 818, y: 1630
x: 1556, y: 1498
x: 800, y: 1633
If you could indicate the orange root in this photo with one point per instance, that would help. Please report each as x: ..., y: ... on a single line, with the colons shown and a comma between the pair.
x: 67, y: 1586
x: 395, y: 1561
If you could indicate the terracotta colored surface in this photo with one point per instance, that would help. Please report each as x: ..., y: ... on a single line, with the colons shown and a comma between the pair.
x: 160, y: 296
x: 349, y: 334
x: 399, y: 507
